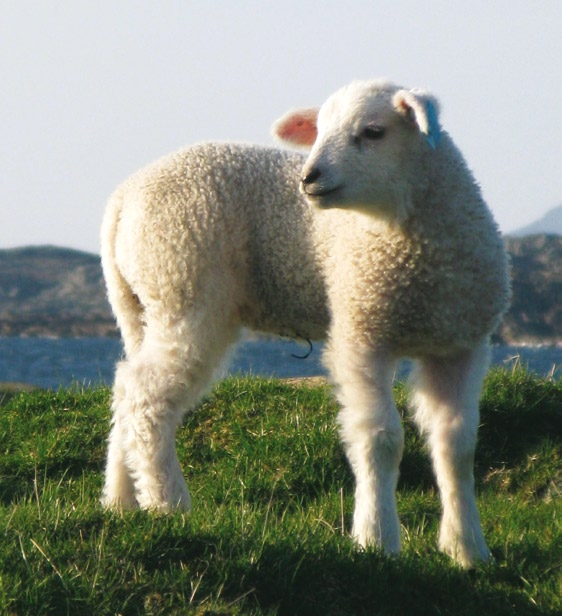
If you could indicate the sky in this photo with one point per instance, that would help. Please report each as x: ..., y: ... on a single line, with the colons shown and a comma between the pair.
x: 90, y: 91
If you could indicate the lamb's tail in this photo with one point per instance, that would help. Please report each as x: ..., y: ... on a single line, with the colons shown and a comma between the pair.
x: 124, y: 303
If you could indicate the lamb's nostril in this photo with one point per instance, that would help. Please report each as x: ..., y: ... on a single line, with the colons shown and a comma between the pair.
x: 312, y: 176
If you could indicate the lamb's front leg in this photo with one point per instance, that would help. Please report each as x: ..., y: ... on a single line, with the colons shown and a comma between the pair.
x: 372, y: 433
x: 446, y: 399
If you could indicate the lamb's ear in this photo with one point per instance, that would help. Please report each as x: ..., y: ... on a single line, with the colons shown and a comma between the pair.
x: 297, y: 127
x: 422, y: 109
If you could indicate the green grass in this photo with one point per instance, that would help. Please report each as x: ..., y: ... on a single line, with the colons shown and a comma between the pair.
x: 272, y: 497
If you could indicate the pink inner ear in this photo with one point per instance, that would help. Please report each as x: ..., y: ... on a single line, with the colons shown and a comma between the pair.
x: 297, y: 128
x: 407, y: 110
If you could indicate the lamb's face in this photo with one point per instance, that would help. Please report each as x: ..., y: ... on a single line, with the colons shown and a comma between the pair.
x: 366, y: 142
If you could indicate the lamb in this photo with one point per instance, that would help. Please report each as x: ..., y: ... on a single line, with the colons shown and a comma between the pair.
x: 379, y: 241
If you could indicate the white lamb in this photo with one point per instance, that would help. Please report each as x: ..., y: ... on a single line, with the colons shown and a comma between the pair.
x: 388, y: 250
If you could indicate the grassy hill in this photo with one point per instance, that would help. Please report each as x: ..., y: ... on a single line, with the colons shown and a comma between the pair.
x: 272, y: 498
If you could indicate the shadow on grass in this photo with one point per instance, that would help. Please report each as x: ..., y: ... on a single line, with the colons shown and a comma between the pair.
x: 139, y: 563
x: 287, y: 578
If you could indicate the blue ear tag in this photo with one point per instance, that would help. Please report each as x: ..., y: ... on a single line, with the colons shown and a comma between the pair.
x: 433, y: 128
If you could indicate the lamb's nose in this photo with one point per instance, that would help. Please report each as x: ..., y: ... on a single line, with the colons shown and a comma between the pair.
x: 311, y: 176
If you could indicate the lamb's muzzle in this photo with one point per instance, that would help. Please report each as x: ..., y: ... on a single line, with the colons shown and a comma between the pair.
x: 312, y: 188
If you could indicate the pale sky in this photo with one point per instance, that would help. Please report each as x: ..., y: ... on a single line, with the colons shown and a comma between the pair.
x: 90, y: 91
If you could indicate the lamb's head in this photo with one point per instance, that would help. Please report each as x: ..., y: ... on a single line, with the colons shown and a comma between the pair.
x: 367, y: 142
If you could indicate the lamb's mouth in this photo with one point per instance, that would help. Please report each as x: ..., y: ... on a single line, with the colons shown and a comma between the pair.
x: 322, y: 196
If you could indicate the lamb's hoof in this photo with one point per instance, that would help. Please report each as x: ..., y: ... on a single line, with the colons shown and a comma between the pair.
x: 118, y: 504
x: 181, y: 502
x: 469, y: 557
x: 367, y: 540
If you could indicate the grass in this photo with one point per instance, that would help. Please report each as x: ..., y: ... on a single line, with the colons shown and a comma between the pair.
x: 272, y: 498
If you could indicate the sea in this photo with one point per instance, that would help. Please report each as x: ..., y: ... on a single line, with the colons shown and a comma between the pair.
x: 52, y: 363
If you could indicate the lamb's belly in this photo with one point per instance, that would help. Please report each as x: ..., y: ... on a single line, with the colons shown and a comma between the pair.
x: 300, y: 316
x: 298, y: 329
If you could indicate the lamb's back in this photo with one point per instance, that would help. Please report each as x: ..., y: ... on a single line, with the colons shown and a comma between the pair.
x: 232, y: 212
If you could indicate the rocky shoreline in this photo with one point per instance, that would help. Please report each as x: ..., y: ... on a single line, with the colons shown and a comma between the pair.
x: 47, y: 291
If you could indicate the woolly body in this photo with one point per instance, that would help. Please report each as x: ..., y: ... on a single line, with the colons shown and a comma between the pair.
x: 398, y: 258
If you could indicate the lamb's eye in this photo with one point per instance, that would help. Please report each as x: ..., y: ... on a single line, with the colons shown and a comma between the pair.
x: 373, y: 132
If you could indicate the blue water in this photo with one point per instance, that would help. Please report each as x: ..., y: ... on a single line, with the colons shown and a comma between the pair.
x: 51, y: 363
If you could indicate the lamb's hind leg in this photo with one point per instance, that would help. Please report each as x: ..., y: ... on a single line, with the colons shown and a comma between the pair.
x: 153, y: 389
x: 445, y: 400
x: 119, y: 490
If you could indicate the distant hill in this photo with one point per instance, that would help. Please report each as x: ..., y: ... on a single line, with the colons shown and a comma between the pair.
x: 49, y: 291
x: 550, y: 223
